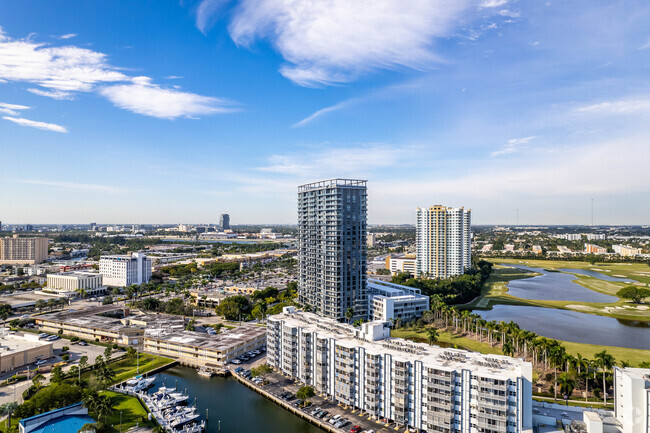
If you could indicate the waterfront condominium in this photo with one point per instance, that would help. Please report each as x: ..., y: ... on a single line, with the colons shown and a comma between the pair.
x: 443, y: 241
x: 123, y: 271
x: 415, y: 385
x: 332, y: 247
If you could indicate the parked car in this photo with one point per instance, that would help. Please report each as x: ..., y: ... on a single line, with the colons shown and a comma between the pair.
x: 315, y: 410
x: 355, y: 429
x: 334, y: 419
x: 235, y: 361
x: 40, y: 362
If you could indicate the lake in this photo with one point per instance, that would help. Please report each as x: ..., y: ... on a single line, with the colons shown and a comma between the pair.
x: 573, y: 326
x: 554, y: 286
x: 237, y: 407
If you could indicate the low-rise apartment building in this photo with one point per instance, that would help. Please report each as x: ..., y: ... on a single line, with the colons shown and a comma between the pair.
x: 415, y: 385
x: 108, y: 324
x: 626, y: 250
x: 388, y: 301
x: 595, y: 249
x: 207, y: 350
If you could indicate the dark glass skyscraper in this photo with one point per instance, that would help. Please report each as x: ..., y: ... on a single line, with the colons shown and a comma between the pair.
x: 332, y: 218
x: 224, y: 222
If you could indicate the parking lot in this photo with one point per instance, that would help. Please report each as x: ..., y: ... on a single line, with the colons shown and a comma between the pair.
x: 277, y: 384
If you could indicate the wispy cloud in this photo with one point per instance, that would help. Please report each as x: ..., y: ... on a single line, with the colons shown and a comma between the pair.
x: 59, y: 72
x: 646, y: 45
x: 623, y: 106
x: 34, y: 124
x: 513, y: 145
x: 322, y: 111
x: 54, y: 94
x: 338, y: 161
x: 155, y: 101
x: 11, y: 109
x: 72, y: 185
x: 336, y: 41
x: 68, y: 36
x: 492, y: 3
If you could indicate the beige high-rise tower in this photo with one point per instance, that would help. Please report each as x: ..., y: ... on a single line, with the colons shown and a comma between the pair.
x: 23, y: 251
x: 443, y: 241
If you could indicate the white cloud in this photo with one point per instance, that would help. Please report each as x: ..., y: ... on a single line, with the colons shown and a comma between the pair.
x: 54, y: 94
x: 60, y: 72
x: 155, y: 101
x: 34, y: 124
x: 71, y: 185
x: 339, y: 161
x: 646, y: 45
x: 206, y: 12
x: 512, y: 146
x: 11, y: 109
x: 336, y: 41
x: 322, y: 111
x: 492, y: 3
x: 510, y: 14
x: 625, y: 106
x: 68, y: 36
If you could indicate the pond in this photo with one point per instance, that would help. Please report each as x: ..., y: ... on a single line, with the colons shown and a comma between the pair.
x: 553, y: 286
x: 574, y: 326
x: 598, y: 275
x: 232, y: 405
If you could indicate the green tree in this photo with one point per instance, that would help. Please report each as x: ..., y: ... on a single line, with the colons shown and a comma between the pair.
x: 633, y: 293
x: 349, y: 314
x: 261, y: 370
x: 606, y: 362
x: 104, y: 375
x: 83, y: 362
x: 567, y: 384
x: 432, y: 336
x: 234, y: 307
x: 305, y: 393
x: 107, y: 354
x: 5, y: 312
x: 57, y: 375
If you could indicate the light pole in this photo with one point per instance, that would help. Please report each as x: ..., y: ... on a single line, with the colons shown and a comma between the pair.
x: 120, y: 421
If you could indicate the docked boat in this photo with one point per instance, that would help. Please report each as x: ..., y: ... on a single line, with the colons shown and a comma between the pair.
x: 205, y: 372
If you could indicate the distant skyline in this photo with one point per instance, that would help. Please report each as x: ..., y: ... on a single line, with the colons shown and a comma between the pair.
x: 176, y: 112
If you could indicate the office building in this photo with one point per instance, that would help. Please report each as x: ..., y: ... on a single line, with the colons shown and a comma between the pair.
x: 401, y: 264
x: 332, y: 247
x: 224, y: 222
x: 632, y: 399
x: 22, y: 251
x: 415, y: 385
x: 389, y: 302
x: 123, y: 271
x: 595, y: 249
x: 371, y: 240
x: 443, y: 241
x: 19, y: 350
x: 71, y: 283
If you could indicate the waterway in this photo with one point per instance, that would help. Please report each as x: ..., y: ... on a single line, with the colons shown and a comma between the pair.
x: 574, y: 326
x: 598, y: 275
x: 233, y: 405
x: 555, y: 286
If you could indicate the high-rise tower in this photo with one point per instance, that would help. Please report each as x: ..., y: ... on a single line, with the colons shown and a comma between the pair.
x: 443, y: 241
x: 332, y: 247
x: 224, y: 222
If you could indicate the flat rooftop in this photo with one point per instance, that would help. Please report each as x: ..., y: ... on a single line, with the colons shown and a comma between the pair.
x: 220, y: 342
x: 25, y: 299
x: 14, y: 343
x: 332, y: 183
x: 496, y: 366
x: 93, y: 318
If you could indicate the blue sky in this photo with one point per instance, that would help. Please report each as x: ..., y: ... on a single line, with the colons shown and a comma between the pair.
x: 174, y: 112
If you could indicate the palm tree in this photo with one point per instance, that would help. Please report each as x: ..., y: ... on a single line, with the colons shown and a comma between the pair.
x: 605, y: 361
x: 349, y: 314
x: 557, y: 356
x: 567, y: 384
x: 508, y: 348
x: 432, y: 335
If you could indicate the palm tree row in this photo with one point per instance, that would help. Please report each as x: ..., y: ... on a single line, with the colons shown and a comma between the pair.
x: 543, y: 352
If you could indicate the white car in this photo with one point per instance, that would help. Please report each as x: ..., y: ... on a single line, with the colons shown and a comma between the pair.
x: 41, y: 362
x: 334, y: 419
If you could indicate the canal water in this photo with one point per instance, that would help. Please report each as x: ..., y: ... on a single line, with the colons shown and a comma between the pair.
x: 574, y: 326
x: 555, y: 286
x: 238, y: 408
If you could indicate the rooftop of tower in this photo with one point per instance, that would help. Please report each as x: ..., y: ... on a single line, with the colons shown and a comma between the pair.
x: 333, y: 183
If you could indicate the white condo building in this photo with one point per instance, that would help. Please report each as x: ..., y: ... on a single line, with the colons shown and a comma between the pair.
x: 388, y: 301
x: 68, y: 283
x: 443, y: 241
x: 413, y: 384
x: 123, y: 271
x: 632, y: 399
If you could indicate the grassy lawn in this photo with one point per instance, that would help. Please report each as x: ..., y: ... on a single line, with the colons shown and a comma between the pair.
x: 126, y: 368
x: 132, y: 412
x: 635, y: 271
x: 633, y: 356
x: 495, y: 292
